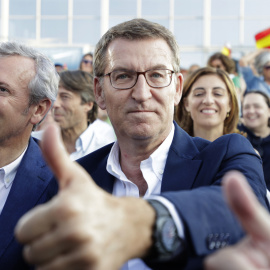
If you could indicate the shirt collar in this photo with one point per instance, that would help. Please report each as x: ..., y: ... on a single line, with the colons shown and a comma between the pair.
x: 156, y: 161
x: 8, y: 172
x: 85, y: 139
x: 158, y: 158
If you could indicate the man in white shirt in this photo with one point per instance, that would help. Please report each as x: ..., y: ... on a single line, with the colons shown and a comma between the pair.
x: 75, y: 111
x: 28, y: 87
x: 184, y: 217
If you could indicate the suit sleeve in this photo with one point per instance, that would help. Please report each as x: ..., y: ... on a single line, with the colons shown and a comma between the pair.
x: 209, y: 223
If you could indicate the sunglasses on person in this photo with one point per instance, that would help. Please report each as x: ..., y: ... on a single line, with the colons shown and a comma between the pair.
x: 87, y: 62
x: 267, y: 67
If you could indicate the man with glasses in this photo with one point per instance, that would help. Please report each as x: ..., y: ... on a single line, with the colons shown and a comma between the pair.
x: 171, y: 212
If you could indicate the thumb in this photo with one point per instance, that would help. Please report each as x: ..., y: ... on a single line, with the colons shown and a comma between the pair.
x: 43, y: 218
x: 253, y: 217
x: 57, y: 157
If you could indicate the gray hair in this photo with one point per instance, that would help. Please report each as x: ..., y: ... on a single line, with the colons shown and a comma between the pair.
x: 136, y: 29
x: 261, y: 60
x: 44, y: 85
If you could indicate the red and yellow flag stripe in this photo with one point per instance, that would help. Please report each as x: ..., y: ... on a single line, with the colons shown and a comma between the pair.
x: 263, y: 39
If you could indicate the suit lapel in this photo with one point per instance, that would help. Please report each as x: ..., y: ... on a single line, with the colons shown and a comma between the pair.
x: 31, y: 179
x: 181, y: 168
x: 95, y: 164
x: 102, y: 177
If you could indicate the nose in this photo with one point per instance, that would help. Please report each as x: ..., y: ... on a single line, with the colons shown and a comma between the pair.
x: 208, y: 99
x: 56, y: 104
x: 141, y: 90
x: 251, y: 109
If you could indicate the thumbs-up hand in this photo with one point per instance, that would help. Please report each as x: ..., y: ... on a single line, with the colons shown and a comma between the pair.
x: 252, y: 252
x: 82, y: 227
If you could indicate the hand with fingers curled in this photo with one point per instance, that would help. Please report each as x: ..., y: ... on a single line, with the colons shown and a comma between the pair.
x: 83, y: 224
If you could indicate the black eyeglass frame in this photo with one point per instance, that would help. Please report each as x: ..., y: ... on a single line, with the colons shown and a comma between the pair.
x: 139, y: 73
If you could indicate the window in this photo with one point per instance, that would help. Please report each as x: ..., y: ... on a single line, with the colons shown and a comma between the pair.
x: 54, y: 31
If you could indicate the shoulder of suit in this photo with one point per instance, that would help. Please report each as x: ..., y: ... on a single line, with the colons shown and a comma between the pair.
x: 96, y: 156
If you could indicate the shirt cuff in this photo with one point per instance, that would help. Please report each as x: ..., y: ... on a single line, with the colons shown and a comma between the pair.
x: 175, y: 216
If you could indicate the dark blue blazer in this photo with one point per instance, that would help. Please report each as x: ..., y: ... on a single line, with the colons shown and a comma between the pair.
x: 30, y: 187
x: 192, y: 182
x: 262, y: 145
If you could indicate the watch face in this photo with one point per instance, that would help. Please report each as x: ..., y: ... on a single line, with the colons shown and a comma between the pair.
x: 169, y: 235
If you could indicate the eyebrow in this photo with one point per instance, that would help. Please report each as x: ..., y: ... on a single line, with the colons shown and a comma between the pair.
x: 252, y: 104
x: 65, y: 93
x: 158, y: 66
x: 214, y: 88
x: 199, y: 88
x: 5, y: 85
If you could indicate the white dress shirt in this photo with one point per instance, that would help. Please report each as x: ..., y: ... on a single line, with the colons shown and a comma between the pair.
x: 7, y: 175
x: 97, y: 135
x: 152, y: 170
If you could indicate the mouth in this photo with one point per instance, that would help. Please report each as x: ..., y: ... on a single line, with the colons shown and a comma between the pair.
x: 208, y: 111
x: 251, y: 118
x: 141, y: 111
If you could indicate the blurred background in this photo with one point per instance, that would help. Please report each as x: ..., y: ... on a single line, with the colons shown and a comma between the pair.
x: 66, y: 29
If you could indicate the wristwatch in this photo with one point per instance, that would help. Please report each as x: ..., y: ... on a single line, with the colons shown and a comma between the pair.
x: 166, y: 242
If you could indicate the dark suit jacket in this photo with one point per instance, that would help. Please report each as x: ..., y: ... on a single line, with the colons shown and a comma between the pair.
x: 30, y: 187
x: 191, y: 181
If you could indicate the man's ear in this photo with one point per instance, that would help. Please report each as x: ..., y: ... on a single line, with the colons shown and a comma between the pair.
x: 179, y: 88
x: 40, y: 110
x: 99, y: 93
x: 88, y: 106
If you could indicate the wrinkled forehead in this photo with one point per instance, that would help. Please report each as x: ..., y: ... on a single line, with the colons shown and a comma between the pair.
x: 17, y: 70
x: 138, y: 55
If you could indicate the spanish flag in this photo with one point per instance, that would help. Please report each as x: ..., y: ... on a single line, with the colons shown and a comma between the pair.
x: 263, y: 39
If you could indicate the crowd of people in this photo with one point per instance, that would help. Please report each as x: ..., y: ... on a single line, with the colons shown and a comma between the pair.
x: 152, y: 165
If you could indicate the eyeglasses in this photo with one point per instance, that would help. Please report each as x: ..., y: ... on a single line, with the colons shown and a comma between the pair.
x: 126, y: 79
x: 267, y: 67
x: 87, y: 62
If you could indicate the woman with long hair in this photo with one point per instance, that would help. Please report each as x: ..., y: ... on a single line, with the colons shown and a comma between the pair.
x: 209, y: 106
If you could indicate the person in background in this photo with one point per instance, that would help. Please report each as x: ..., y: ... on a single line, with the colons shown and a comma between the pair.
x: 209, y: 106
x: 29, y: 85
x: 183, y: 216
x: 59, y: 67
x: 39, y: 130
x: 224, y: 62
x: 75, y: 111
x: 87, y: 66
x: 255, y: 68
x: 221, y: 61
x: 86, y: 63
x: 256, y: 124
x: 192, y: 68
